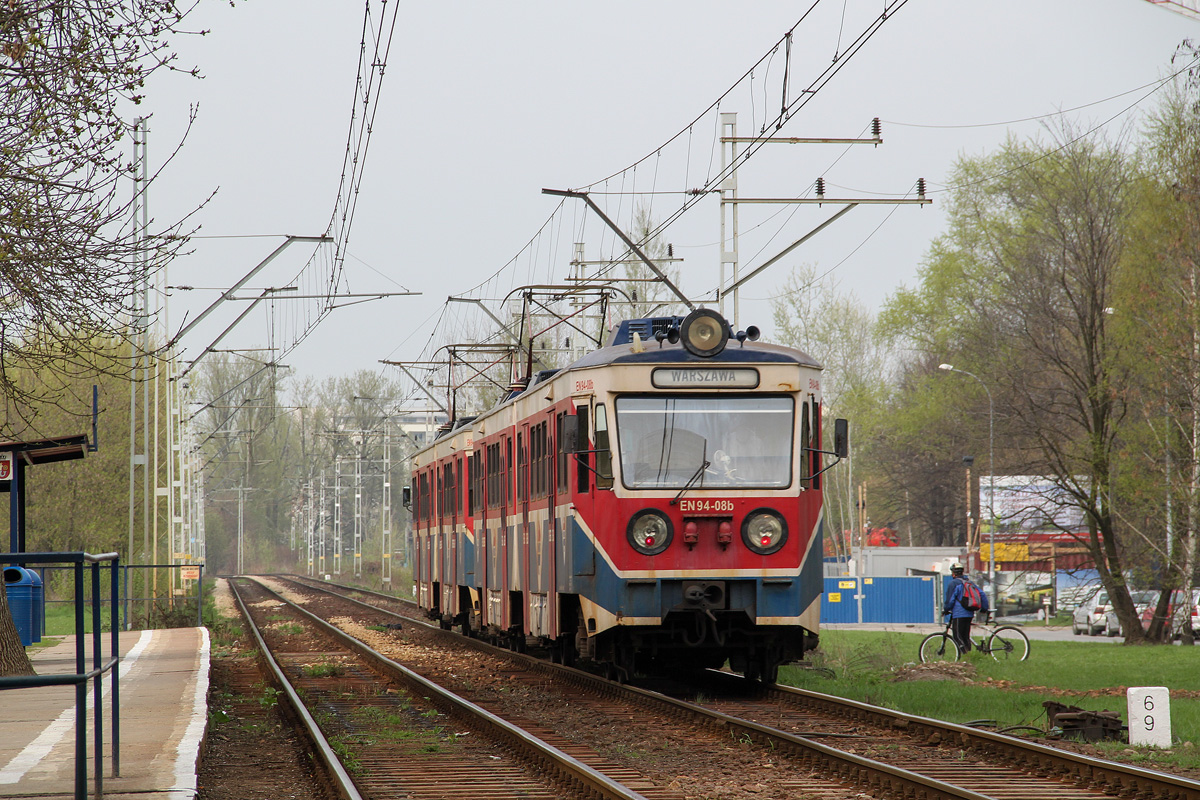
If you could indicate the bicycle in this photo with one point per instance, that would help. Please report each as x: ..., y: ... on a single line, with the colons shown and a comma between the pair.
x: 1003, y: 643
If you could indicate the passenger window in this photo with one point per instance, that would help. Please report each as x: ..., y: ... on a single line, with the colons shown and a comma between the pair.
x: 814, y: 436
x: 563, y: 472
x: 604, y: 476
x: 522, y: 488
x: 506, y: 478
x: 806, y: 456
x: 583, y: 459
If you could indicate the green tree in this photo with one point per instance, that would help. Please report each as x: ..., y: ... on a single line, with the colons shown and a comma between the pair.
x: 78, y: 504
x: 1161, y: 321
x: 838, y: 331
x: 1033, y: 257
x: 71, y: 250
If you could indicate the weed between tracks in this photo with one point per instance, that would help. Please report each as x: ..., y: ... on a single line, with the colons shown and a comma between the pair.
x: 389, y: 719
x: 324, y: 669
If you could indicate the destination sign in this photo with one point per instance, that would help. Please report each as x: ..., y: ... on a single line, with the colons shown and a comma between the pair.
x: 704, y: 378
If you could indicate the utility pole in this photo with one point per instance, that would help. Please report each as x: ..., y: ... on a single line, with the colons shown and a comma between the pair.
x: 385, y: 567
x: 139, y: 358
x: 731, y: 200
x: 729, y: 211
x: 241, y: 530
x: 968, y: 461
x: 321, y: 535
x: 358, y: 446
x: 337, y: 516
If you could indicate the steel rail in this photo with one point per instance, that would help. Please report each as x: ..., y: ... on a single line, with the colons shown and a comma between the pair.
x: 848, y: 767
x: 1035, y: 757
x: 568, y: 768
x: 1029, y: 756
x: 329, y: 761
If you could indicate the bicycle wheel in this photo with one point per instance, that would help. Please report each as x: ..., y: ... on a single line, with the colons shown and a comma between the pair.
x: 938, y: 647
x: 1008, y: 644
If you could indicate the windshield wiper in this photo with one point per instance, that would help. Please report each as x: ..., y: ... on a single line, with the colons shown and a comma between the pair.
x: 704, y: 464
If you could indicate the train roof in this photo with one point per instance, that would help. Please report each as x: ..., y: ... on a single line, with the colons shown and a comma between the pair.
x: 654, y: 352
x: 633, y: 342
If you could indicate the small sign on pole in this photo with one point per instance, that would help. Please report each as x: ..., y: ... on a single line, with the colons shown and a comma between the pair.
x: 6, y: 465
x: 1149, y: 715
x: 189, y: 572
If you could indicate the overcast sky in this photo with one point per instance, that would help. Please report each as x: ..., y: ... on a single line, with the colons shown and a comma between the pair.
x: 483, y: 104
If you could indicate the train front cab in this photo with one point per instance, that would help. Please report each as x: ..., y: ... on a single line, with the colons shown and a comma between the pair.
x: 675, y: 566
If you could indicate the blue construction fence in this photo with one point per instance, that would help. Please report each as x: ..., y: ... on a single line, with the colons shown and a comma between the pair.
x: 911, y: 600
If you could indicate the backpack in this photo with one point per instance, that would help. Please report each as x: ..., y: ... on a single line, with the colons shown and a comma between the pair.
x: 971, y: 599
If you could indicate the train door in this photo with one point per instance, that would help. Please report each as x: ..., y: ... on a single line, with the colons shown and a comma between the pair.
x: 478, y: 507
x: 453, y: 578
x: 486, y: 528
x: 497, y: 521
x: 450, y: 528
x: 439, y: 575
x: 428, y: 600
x: 507, y: 523
x: 583, y: 499
x: 420, y: 576
x: 528, y: 581
x: 555, y: 464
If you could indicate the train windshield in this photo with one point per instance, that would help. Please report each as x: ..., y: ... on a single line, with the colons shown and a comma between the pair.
x: 747, y: 442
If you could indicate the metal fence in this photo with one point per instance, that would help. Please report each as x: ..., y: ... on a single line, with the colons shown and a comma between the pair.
x: 171, y: 607
x: 94, y: 564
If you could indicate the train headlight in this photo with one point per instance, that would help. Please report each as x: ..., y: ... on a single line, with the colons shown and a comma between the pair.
x: 764, y: 531
x: 649, y: 532
x: 704, y: 333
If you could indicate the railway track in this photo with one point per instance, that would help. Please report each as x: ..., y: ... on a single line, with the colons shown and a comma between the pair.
x: 774, y: 740
x: 383, y: 731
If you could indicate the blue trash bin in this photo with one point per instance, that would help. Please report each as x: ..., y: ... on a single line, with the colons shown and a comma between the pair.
x: 19, y: 588
x: 37, y: 605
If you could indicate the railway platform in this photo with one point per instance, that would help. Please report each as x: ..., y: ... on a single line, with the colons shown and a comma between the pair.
x: 163, y: 688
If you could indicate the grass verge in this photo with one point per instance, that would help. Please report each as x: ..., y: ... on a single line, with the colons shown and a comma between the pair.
x: 869, y: 666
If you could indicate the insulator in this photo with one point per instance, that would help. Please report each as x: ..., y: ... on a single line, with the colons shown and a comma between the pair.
x: 670, y: 250
x: 920, y: 187
x: 820, y: 187
x: 876, y: 128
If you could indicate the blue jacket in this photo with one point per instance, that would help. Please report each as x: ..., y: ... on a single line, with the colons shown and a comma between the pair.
x: 952, y: 606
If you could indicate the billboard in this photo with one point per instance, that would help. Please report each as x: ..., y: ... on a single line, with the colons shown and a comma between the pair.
x: 1028, y: 503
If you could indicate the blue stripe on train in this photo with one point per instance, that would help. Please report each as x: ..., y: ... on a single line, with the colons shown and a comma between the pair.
x: 592, y: 577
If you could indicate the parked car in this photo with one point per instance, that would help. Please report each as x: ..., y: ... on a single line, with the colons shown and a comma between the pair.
x: 1090, y: 615
x: 1142, y: 599
x: 1070, y: 598
x: 1180, y: 613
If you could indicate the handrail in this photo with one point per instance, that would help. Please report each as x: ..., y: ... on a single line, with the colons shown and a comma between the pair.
x: 25, y: 681
x: 82, y: 674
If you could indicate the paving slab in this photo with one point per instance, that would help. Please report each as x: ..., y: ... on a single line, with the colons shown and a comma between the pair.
x: 163, y: 701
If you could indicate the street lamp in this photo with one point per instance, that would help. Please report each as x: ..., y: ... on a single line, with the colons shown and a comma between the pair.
x: 991, y: 481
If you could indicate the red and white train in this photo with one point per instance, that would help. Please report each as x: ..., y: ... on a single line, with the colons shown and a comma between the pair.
x: 655, y: 506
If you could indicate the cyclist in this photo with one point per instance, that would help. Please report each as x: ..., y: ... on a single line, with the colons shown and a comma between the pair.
x: 960, y: 616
